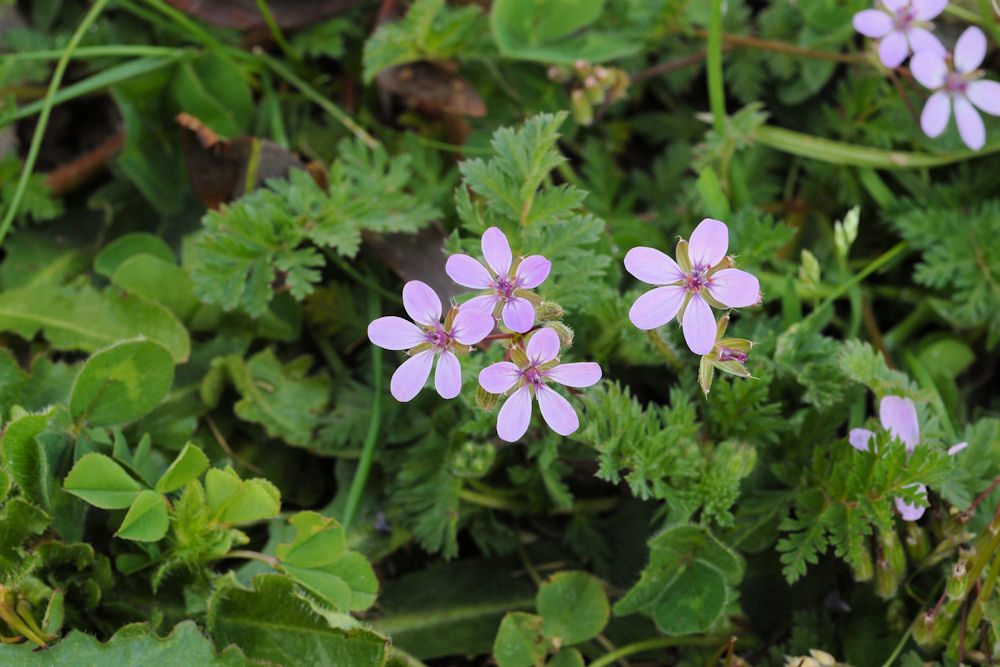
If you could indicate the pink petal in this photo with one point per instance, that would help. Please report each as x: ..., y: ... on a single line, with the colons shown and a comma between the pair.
x: 895, y: 5
x: 411, y: 376
x: 532, y: 271
x: 471, y: 326
x: 518, y: 314
x: 467, y: 272
x: 496, y: 250
x: 923, y: 41
x: 934, y: 117
x: 557, y: 411
x: 910, y: 512
x: 893, y: 49
x: 515, y: 415
x: 985, y: 95
x: 652, y: 266
x: 929, y: 69
x: 709, y: 242
x: 955, y: 449
x: 970, y: 49
x: 543, y: 346
x: 579, y: 374
x: 735, y: 288
x: 486, y: 303
x: 970, y: 124
x: 395, y: 333
x: 925, y: 10
x: 657, y: 307
x: 899, y: 416
x: 873, y: 23
x: 448, y: 376
x: 699, y: 326
x: 859, y: 438
x: 421, y: 303
x: 499, y: 377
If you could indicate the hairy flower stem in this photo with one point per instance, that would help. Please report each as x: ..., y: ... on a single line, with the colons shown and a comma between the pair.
x: 667, y: 352
x: 790, y: 49
x: 713, y: 66
x: 253, y: 555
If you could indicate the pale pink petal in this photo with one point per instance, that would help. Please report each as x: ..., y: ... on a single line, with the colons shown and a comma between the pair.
x: 929, y: 69
x: 543, y: 346
x: 709, y: 242
x: 735, y: 288
x: 518, y: 314
x: 496, y: 250
x: 411, y: 376
x: 970, y: 124
x: 557, y: 411
x: 985, y: 95
x: 970, y: 49
x: 421, y: 303
x: 910, y: 512
x: 579, y: 374
x: 893, y: 49
x: 486, y: 303
x: 955, y: 449
x: 895, y: 5
x: 657, y: 307
x: 471, y: 326
x: 699, y: 326
x: 395, y: 333
x: 499, y: 377
x: 467, y: 272
x: 873, y: 23
x: 923, y: 41
x: 934, y: 117
x: 532, y: 271
x: 652, y: 266
x: 859, y: 438
x: 515, y: 415
x: 899, y: 416
x: 448, y: 376
x: 925, y: 10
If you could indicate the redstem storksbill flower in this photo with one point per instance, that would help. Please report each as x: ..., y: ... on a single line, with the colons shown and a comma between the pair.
x: 428, y: 339
x: 700, y: 278
x: 901, y: 28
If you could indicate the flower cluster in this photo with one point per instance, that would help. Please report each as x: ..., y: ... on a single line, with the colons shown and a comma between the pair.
x: 534, y: 349
x: 902, y: 28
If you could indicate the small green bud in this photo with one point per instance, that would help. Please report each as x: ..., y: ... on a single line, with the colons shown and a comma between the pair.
x: 595, y: 94
x: 604, y: 76
x: 486, y: 401
x: 890, y: 568
x: 918, y: 546
x: 864, y: 569
x: 809, y: 272
x: 958, y: 582
x: 582, y: 67
x: 564, y: 332
x: 583, y: 113
x: 473, y: 459
x: 548, y: 310
x: 846, y: 231
x: 560, y: 74
x: 923, y: 629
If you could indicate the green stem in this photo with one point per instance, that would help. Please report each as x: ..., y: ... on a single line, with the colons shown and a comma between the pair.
x: 873, y: 266
x: 667, y: 352
x: 368, y: 449
x: 713, y: 65
x: 253, y: 555
x: 182, y: 20
x: 43, y: 118
x: 653, y: 644
x: 353, y: 273
x: 899, y: 647
x: 83, y: 52
x: 279, y: 37
x: 587, y: 506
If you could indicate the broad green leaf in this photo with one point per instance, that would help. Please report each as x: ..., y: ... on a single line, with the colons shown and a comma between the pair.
x: 188, y: 465
x: 519, y: 641
x: 35, y: 258
x: 13, y: 381
x: 691, y: 602
x: 233, y: 500
x: 133, y: 644
x: 124, y: 247
x: 102, y: 482
x: 121, y: 383
x: 78, y: 317
x: 213, y: 89
x: 573, y: 607
x: 158, y: 281
x: 24, y: 456
x: 319, y: 540
x: 272, y: 622
x: 567, y: 657
x: 147, y: 519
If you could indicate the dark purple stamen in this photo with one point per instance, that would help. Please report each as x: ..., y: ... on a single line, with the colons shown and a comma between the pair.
x: 696, y: 280
x: 505, y: 287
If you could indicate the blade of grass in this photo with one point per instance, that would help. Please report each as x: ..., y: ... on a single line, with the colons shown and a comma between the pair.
x: 713, y: 66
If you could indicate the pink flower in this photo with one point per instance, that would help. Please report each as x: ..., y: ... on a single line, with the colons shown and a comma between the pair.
x: 901, y: 25
x: 427, y: 339
x: 700, y: 278
x: 961, y: 87
x: 506, y: 279
x: 529, y: 379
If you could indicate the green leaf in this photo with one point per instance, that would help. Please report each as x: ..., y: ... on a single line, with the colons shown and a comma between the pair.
x: 519, y: 641
x: 24, y: 456
x: 19, y: 520
x: 121, y: 383
x: 692, y: 602
x: 213, y: 89
x: 271, y: 622
x: 147, y: 519
x: 233, y: 500
x: 573, y: 607
x: 78, y: 317
x: 130, y: 245
x: 567, y: 657
x: 158, y: 281
x: 133, y: 644
x: 190, y: 463
x: 102, y: 482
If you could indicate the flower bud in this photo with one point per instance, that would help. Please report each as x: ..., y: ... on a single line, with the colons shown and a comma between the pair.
x: 582, y: 67
x: 560, y: 74
x: 890, y: 568
x: 548, y: 310
x: 958, y: 582
x: 486, y: 401
x: 565, y: 333
x: 923, y: 629
x: 604, y: 76
x: 595, y: 94
x: 583, y: 113
x: 918, y: 546
x: 864, y: 569
x: 473, y: 459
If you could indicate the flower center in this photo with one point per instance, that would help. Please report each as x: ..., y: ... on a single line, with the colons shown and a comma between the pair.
x: 697, y: 279
x: 905, y: 17
x: 727, y: 354
x: 533, y: 377
x: 505, y: 287
x: 439, y: 338
x: 956, y: 83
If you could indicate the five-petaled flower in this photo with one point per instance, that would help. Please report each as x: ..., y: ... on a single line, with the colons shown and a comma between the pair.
x: 428, y: 339
x: 701, y: 277
x: 538, y: 363
x: 901, y: 26
x: 961, y: 86
x: 506, y: 280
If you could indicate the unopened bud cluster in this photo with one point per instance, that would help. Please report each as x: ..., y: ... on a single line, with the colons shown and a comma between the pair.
x: 591, y: 86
